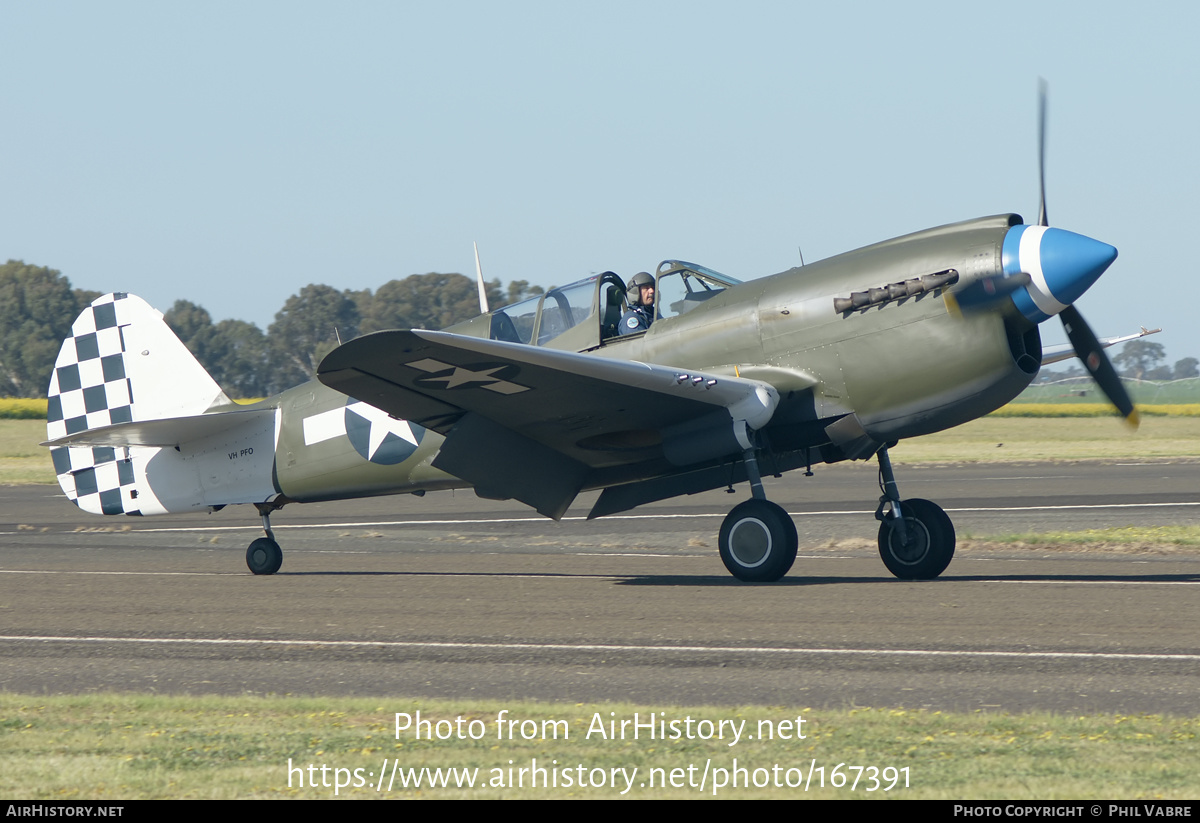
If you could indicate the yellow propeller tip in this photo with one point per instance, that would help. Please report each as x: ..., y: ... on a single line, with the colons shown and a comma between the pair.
x: 1133, y: 419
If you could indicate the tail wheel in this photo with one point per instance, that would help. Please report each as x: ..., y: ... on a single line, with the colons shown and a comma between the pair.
x: 264, y: 556
x: 758, y: 541
x: 930, y: 546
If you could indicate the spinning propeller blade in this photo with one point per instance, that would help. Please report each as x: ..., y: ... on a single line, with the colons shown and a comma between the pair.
x: 1083, y: 340
x: 1091, y: 352
x: 1042, y: 219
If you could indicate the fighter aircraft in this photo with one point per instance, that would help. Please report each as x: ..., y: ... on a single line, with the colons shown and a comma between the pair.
x: 541, y: 400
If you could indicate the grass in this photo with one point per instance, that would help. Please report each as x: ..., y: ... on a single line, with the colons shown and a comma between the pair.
x: 1155, y: 539
x: 1014, y: 439
x: 1083, y: 409
x: 22, y: 460
x: 117, y: 747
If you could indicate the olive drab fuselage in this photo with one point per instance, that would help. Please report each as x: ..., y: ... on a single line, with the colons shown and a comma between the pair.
x: 901, y: 367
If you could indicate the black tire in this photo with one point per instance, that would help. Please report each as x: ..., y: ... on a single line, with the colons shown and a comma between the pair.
x: 758, y: 541
x: 264, y: 556
x: 930, y: 546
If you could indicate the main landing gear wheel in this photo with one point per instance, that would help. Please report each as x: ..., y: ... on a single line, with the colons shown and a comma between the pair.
x: 930, y: 546
x: 264, y: 556
x: 758, y: 541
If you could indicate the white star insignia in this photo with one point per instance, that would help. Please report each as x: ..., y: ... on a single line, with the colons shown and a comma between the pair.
x: 459, y: 376
x: 382, y: 424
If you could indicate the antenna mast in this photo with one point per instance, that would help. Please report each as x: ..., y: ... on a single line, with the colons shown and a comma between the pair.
x: 483, y: 304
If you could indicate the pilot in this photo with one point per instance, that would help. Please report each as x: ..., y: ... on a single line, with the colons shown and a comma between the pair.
x: 640, y: 295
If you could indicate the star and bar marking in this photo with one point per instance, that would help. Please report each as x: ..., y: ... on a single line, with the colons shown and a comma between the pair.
x: 375, y: 435
x: 463, y: 377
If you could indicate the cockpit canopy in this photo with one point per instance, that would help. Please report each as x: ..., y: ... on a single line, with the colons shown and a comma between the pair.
x: 585, y: 314
x: 680, y: 286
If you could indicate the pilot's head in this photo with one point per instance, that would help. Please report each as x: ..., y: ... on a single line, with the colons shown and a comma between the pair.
x: 641, y: 289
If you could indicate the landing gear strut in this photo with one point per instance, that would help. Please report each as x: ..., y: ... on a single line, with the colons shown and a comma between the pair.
x: 758, y: 539
x: 264, y: 555
x: 916, y: 537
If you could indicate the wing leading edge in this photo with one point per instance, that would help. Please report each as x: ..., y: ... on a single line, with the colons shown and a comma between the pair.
x: 538, y: 424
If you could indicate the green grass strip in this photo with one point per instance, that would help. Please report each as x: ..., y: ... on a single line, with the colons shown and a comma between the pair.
x: 113, y: 747
x: 1021, y: 409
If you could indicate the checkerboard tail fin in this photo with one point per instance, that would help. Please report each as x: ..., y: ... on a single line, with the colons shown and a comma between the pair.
x: 121, y: 364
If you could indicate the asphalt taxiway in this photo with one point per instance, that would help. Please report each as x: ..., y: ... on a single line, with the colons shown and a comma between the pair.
x: 453, y: 596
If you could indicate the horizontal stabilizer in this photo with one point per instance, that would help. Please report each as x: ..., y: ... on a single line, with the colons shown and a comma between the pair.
x: 173, y: 432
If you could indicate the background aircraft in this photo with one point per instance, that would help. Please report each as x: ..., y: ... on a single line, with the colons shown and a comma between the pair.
x: 836, y: 360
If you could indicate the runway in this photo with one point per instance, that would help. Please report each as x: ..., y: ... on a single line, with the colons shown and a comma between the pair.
x: 453, y: 596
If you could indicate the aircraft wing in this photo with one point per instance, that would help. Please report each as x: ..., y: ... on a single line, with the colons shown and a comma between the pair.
x: 1064, y: 351
x: 532, y: 423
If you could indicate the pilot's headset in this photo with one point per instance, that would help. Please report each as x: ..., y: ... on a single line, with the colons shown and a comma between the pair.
x: 633, y: 292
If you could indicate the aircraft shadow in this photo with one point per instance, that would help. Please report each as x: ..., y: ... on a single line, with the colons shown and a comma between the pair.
x: 716, y: 580
x: 617, y: 579
x: 712, y: 580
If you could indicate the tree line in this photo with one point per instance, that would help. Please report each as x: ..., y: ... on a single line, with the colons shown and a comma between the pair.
x: 38, y: 305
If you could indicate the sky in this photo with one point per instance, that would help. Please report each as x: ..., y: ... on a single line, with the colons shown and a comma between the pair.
x: 230, y: 153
